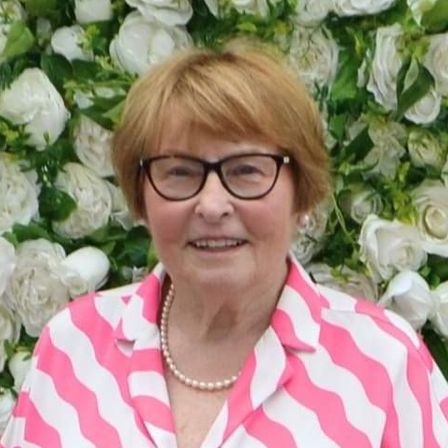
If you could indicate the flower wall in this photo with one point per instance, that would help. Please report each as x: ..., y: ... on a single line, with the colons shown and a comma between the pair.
x: 378, y: 69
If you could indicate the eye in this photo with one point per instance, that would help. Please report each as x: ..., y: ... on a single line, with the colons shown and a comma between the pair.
x: 244, y: 169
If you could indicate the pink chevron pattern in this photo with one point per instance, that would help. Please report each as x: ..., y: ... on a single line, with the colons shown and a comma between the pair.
x: 331, y: 371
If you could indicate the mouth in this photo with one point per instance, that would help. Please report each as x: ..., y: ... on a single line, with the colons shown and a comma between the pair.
x: 217, y: 244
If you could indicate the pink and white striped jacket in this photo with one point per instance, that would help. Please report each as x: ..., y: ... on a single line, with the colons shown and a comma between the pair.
x: 330, y: 371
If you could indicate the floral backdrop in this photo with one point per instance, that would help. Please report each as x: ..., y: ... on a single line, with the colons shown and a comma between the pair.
x: 378, y: 69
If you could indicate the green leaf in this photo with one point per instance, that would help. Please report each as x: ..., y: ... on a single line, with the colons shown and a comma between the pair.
x: 359, y: 146
x: 57, y: 68
x: 344, y: 87
x: 417, y: 90
x: 40, y: 8
x: 437, y: 347
x: 20, y: 40
x: 56, y: 205
x: 436, y: 19
x: 29, y: 232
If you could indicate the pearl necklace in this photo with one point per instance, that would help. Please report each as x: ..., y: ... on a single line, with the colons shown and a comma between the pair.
x: 210, y: 386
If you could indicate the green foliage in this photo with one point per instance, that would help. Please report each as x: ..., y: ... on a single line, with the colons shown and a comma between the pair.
x: 436, y: 19
x: 20, y: 40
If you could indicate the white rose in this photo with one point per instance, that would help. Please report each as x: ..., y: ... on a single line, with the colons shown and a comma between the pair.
x: 311, y: 12
x: 431, y: 202
x: 426, y: 109
x: 93, y: 146
x: 43, y: 31
x: 388, y: 247
x: 440, y: 317
x: 386, y: 64
x: 10, y: 11
x: 141, y: 43
x: 437, y: 63
x: 7, y: 263
x: 87, y: 11
x: 93, y: 199
x: 169, y: 12
x: 314, y: 56
x: 445, y: 173
x: 351, y: 282
x: 361, y: 7
x: 91, y: 264
x: 360, y: 201
x: 425, y: 149
x: 33, y: 101
x: 84, y: 98
x: 9, y: 331
x: 7, y: 403
x: 408, y: 294
x: 19, y: 365
x: 68, y: 40
x: 309, y: 237
x: 419, y: 7
x: 120, y: 211
x: 18, y: 193
x: 40, y: 285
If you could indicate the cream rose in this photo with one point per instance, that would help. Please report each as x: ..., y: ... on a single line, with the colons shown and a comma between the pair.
x: 93, y: 146
x: 408, y: 294
x: 311, y: 12
x: 431, y: 201
x: 68, y: 42
x: 9, y: 331
x: 388, y: 247
x: 314, y: 56
x: 33, y: 101
x: 425, y: 149
x: 386, y: 64
x: 19, y: 364
x: 7, y: 403
x: 440, y: 317
x: 93, y: 199
x: 437, y: 63
x: 360, y: 201
x: 360, y: 7
x: 40, y: 285
x: 10, y: 11
x: 141, y: 43
x: 87, y: 11
x: 120, y: 211
x: 169, y: 12
x: 351, y: 282
x: 7, y: 263
x: 18, y: 193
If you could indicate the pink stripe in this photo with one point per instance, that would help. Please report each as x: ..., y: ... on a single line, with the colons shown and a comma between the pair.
x: 444, y: 406
x: 284, y: 327
x: 327, y: 406
x: 155, y: 412
x: 416, y: 373
x: 37, y: 431
x: 268, y: 432
x: 149, y: 291
x: 71, y: 390
x: 372, y: 374
x: 239, y: 403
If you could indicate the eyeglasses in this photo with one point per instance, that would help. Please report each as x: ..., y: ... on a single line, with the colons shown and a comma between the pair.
x: 245, y: 176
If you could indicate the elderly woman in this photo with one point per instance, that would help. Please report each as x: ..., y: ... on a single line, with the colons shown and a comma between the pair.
x: 227, y: 343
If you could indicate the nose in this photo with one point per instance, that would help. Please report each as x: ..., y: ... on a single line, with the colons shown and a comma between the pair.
x: 213, y: 202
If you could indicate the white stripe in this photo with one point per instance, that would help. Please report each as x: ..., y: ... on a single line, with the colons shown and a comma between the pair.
x: 109, y: 308
x: 387, y: 351
x: 301, y: 422
x: 148, y: 384
x: 163, y: 438
x: 338, y: 300
x: 216, y: 434
x: 111, y: 406
x: 360, y: 412
x: 14, y: 433
x: 56, y: 412
x: 240, y: 438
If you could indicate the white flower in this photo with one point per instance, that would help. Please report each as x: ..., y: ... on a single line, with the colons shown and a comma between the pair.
x: 430, y: 199
x: 419, y: 7
x: 18, y: 193
x: 312, y: 12
x: 386, y: 64
x: 40, y: 285
x: 314, y: 56
x: 93, y: 146
x: 9, y: 331
x: 426, y: 109
x: 7, y: 403
x: 87, y: 11
x: 19, y: 364
x: 43, y: 31
x: 440, y: 317
x: 7, y: 263
x: 141, y: 43
x: 84, y: 98
x: 169, y: 12
x: 445, y: 173
x: 93, y: 199
x: 388, y: 247
x: 309, y: 237
x: 68, y: 40
x: 10, y: 11
x: 360, y: 201
x: 425, y: 149
x: 408, y: 294
x: 361, y: 7
x: 91, y: 264
x: 120, y: 211
x: 437, y: 63
x: 351, y: 282
x: 33, y: 101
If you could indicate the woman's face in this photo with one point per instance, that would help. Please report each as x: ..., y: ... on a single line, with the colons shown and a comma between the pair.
x: 185, y: 233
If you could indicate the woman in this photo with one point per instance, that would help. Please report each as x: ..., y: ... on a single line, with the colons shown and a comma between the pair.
x: 228, y: 342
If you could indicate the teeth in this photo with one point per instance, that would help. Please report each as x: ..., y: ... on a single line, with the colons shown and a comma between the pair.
x: 217, y: 244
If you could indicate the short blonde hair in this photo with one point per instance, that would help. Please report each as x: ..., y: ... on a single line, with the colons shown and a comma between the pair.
x: 241, y: 91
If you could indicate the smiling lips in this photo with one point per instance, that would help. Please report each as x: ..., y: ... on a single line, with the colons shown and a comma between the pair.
x: 217, y: 243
